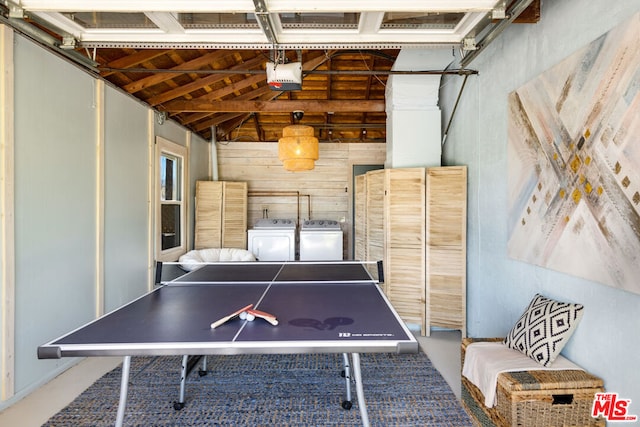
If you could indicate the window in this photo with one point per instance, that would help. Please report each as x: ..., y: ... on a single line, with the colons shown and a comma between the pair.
x: 171, y: 208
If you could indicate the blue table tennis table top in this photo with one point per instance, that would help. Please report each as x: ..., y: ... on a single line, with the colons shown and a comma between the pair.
x: 335, y: 307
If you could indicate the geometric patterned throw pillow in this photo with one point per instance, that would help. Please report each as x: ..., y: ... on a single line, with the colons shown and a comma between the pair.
x: 544, y: 329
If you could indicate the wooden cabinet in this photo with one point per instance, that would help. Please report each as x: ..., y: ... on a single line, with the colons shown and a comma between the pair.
x: 414, y: 220
x: 221, y: 215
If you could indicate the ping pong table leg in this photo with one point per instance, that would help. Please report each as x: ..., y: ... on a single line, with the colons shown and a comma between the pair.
x: 203, y: 371
x: 357, y: 374
x: 346, y: 404
x: 124, y: 388
x: 183, y: 383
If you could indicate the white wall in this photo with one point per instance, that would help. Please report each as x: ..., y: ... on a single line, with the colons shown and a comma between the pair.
x: 83, y: 204
x: 55, y: 180
x: 607, y: 341
x: 126, y: 188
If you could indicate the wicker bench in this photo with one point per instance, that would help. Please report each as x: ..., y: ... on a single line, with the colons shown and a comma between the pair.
x: 534, y: 398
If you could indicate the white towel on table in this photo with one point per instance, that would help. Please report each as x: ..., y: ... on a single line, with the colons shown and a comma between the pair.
x: 484, y: 361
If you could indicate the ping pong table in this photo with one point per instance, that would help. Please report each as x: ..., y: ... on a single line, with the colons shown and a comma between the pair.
x: 321, y: 307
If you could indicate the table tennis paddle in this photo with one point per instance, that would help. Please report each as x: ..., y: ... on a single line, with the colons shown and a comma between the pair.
x: 264, y: 315
x: 229, y: 317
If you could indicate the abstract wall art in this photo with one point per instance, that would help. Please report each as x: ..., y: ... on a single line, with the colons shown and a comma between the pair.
x: 574, y: 163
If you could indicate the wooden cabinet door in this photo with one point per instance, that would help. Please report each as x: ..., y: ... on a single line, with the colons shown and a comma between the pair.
x: 208, y: 214
x: 234, y: 215
x: 405, y: 242
x: 360, y: 218
x: 375, y: 218
x: 446, y: 247
x: 220, y: 215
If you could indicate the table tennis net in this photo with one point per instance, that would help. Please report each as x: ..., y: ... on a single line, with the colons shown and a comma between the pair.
x: 266, y: 272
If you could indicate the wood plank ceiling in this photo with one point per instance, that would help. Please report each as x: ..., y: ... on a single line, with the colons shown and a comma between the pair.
x: 245, y: 111
x: 202, y: 63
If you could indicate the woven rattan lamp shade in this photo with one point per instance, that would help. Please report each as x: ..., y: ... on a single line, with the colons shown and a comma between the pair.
x: 298, y: 148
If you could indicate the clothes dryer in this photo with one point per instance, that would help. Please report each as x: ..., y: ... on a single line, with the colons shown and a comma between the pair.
x: 321, y: 240
x: 273, y: 239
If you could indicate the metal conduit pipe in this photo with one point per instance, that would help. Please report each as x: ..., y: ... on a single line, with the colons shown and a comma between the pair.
x: 285, y: 194
x: 459, y: 72
x: 308, y: 196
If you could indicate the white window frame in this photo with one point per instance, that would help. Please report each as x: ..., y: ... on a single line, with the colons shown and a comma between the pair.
x: 164, y: 146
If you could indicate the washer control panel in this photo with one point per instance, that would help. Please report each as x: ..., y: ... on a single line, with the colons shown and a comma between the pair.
x: 321, y: 224
x: 279, y: 223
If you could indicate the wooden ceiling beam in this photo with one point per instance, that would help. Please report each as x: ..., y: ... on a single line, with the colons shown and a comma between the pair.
x: 263, y: 93
x: 219, y: 119
x: 134, y: 59
x: 280, y: 106
x: 224, y: 131
x: 201, y: 83
x: 216, y: 120
x: 242, y: 84
x: 229, y: 89
x: 154, y: 79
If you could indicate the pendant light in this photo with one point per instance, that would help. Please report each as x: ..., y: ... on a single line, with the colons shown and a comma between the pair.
x: 298, y: 148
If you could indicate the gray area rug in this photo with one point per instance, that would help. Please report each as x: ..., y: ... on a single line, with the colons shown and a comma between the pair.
x: 271, y: 390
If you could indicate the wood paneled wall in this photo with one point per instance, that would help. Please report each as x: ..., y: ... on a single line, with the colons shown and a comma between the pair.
x: 322, y: 193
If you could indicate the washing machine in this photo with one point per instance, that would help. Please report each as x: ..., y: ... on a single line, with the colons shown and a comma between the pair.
x: 320, y: 240
x: 273, y: 239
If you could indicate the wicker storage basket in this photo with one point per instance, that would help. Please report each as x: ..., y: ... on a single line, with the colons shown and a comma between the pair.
x: 535, y: 398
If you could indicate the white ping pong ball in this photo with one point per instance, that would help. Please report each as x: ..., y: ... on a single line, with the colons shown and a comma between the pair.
x: 243, y: 315
x: 250, y: 317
